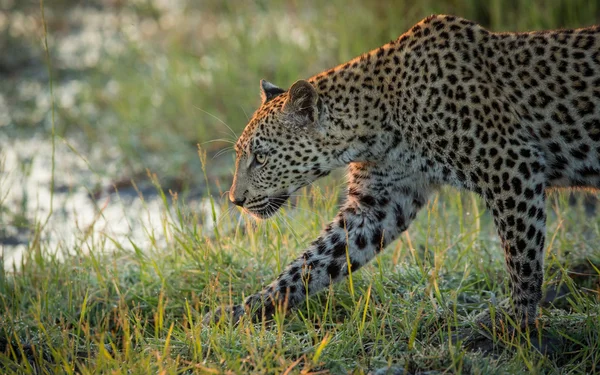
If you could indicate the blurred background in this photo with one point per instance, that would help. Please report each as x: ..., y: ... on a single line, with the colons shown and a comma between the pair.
x: 132, y: 87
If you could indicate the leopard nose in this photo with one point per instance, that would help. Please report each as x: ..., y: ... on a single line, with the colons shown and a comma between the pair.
x: 238, y: 201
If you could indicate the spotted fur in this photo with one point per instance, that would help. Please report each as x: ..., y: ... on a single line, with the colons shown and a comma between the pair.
x: 505, y: 115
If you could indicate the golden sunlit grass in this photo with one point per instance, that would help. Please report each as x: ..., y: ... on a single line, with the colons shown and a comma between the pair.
x: 141, y: 311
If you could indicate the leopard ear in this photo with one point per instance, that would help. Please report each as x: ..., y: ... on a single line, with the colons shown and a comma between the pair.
x: 268, y: 91
x: 302, y: 101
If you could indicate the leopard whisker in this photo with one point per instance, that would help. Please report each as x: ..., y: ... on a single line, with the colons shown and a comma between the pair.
x: 223, y: 151
x: 288, y: 226
x: 245, y: 114
x: 218, y: 119
x: 224, y: 215
x: 218, y: 140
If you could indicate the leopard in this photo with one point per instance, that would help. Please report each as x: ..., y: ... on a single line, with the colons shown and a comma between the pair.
x: 509, y: 116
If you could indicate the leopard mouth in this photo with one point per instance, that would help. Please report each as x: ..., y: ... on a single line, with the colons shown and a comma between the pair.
x: 269, y: 207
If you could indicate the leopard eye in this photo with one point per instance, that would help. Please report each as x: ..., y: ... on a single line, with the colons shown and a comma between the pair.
x: 260, y: 158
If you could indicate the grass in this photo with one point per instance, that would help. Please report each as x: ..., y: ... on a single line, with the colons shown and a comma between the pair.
x: 85, y: 309
x: 140, y: 311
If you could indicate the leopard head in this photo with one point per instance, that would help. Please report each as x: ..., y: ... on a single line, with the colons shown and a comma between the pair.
x: 281, y: 149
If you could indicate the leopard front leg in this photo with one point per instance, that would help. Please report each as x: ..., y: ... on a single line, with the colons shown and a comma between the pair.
x: 519, y: 214
x: 379, y: 207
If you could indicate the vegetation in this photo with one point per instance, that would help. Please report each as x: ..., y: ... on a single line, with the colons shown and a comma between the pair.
x: 175, y: 80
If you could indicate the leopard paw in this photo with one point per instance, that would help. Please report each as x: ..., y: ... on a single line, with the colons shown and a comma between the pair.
x: 504, y: 318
